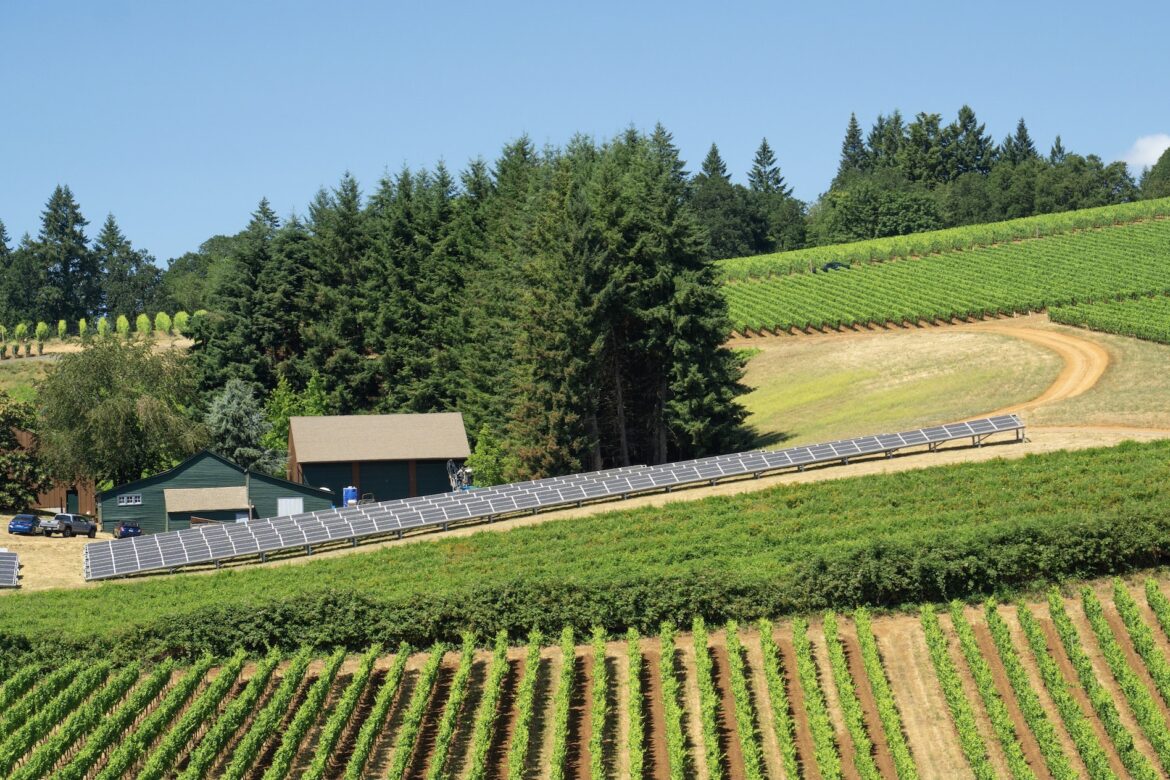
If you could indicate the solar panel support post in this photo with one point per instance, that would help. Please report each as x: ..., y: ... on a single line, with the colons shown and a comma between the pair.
x: 263, y: 557
x: 308, y: 549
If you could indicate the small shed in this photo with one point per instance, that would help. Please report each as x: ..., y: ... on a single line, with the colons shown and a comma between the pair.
x: 385, y: 456
x: 205, y: 488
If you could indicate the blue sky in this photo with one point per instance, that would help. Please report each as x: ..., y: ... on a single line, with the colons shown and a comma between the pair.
x: 179, y: 117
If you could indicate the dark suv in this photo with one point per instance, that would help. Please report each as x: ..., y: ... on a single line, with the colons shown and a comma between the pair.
x: 69, y: 525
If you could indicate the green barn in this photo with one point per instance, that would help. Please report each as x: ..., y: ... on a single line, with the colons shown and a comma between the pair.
x: 385, y: 456
x: 205, y: 488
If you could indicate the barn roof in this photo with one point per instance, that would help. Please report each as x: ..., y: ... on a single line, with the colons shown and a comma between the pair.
x: 341, y: 439
x: 205, y: 499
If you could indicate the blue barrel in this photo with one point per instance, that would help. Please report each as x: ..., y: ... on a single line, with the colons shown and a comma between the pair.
x: 349, y: 496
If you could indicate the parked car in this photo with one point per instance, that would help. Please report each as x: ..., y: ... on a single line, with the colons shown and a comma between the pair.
x: 127, y: 528
x: 25, y: 525
x: 69, y: 525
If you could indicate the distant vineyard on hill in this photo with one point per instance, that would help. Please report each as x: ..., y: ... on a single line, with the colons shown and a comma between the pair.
x: 1143, y: 318
x: 936, y: 241
x: 1107, y: 264
x: 996, y: 692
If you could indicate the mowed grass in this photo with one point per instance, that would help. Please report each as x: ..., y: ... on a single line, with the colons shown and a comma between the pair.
x: 19, y: 376
x: 889, y: 539
x: 807, y: 390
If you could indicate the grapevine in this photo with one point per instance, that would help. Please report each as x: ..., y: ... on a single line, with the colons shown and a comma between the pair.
x: 850, y: 704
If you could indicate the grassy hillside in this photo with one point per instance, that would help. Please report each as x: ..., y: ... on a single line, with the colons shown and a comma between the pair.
x: 1105, y: 264
x: 890, y: 539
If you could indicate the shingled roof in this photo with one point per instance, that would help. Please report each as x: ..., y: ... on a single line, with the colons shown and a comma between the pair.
x: 205, y: 499
x: 362, y: 437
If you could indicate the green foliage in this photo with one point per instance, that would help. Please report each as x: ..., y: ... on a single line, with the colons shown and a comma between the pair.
x: 210, y: 746
x: 284, y: 402
x: 636, y: 748
x: 142, y: 325
x: 1142, y: 704
x: 599, y: 711
x: 562, y: 700
x: 849, y: 703
x: 1143, y: 639
x: 884, y: 697
x: 1033, y: 710
x: 745, y: 716
x: 103, y: 326
x: 824, y: 742
x: 487, y: 713
x: 708, y: 700
x: 122, y: 326
x: 62, y: 329
x: 339, y: 717
x: 1159, y: 604
x: 379, y: 712
x: 237, y: 428
x: 1143, y: 318
x: 162, y: 323
x: 404, y: 741
x: 311, y: 708
x: 490, y: 462
x: 782, y: 721
x: 181, y: 323
x: 20, y: 332
x: 23, y: 474
x: 42, y: 333
x: 997, y: 711
x: 1078, y: 726
x: 1105, y: 264
x: 116, y: 411
x: 16, y: 685
x: 456, y: 694
x: 962, y: 713
x: 264, y: 726
x: 796, y: 548
x: 677, y: 756
x: 1135, y: 762
x: 1156, y: 181
x: 525, y: 709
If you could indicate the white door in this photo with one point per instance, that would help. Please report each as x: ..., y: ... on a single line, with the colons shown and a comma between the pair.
x: 289, y: 506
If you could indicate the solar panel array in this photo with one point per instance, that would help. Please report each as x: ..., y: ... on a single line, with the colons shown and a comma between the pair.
x: 9, y: 569
x: 218, y: 542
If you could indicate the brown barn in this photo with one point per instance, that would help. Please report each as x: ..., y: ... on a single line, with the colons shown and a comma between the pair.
x: 73, y: 497
x: 384, y: 456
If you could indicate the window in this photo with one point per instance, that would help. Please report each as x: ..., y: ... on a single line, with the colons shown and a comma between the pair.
x: 130, y: 499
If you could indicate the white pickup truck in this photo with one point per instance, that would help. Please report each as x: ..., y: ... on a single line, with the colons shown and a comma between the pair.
x: 68, y: 525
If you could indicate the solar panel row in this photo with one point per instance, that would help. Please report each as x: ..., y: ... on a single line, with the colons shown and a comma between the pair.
x: 9, y: 570
x: 215, y: 542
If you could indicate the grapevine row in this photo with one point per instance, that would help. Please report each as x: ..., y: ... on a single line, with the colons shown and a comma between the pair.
x: 561, y: 701
x: 454, y: 705
x: 884, y: 697
x: 600, y: 710
x: 782, y: 722
x: 745, y: 716
x: 1159, y: 604
x: 997, y: 711
x: 412, y: 721
x: 1029, y: 703
x: 850, y: 704
x: 304, y: 719
x: 962, y: 713
x: 331, y: 732
x: 708, y: 700
x: 16, y: 686
x: 1142, y: 318
x: 676, y: 746
x: 486, y: 713
x: 368, y: 734
x: 41, y: 694
x: 1143, y: 640
x: 265, y: 725
x: 824, y: 742
x: 525, y: 699
x: 1135, y: 763
x: 636, y: 747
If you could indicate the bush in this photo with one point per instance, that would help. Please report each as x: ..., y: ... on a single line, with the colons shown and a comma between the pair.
x: 82, y: 329
x: 61, y: 330
x: 103, y: 326
x: 181, y: 323
x: 162, y: 322
x: 142, y: 325
x: 122, y: 325
x: 42, y: 333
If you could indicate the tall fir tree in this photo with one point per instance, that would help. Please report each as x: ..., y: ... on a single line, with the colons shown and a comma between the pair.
x: 969, y: 148
x: 1019, y: 148
x: 1156, y: 181
x: 764, y: 176
x: 73, y: 280
x: 281, y: 308
x: 130, y: 281
x: 854, y: 154
x: 1058, y: 153
x: 735, y: 225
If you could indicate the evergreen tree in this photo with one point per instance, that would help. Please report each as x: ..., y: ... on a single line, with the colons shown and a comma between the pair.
x: 225, y: 345
x: 281, y: 306
x: 713, y: 165
x: 73, y: 280
x: 22, y: 471
x: 5, y: 250
x: 854, y: 154
x: 236, y: 426
x: 1019, y: 148
x: 1156, y: 181
x: 21, y: 284
x: 764, y: 176
x: 970, y: 149
x: 1057, y: 155
x: 770, y: 196
x: 130, y: 281
x: 885, y: 140
x: 920, y: 156
x: 734, y: 225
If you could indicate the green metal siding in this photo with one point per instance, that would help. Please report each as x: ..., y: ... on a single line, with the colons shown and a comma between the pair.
x: 181, y: 520
x: 334, y: 476
x: 265, y: 491
x: 432, y: 477
x: 203, y: 470
x: 385, y: 479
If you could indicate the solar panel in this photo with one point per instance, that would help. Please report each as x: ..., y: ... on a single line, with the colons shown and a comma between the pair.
x: 213, y: 543
x: 9, y: 570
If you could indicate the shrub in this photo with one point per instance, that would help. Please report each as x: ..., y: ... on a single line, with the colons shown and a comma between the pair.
x: 162, y: 322
x: 61, y: 329
x: 122, y: 326
x: 42, y: 333
x: 142, y: 325
x: 103, y: 326
x: 181, y: 323
x: 82, y: 328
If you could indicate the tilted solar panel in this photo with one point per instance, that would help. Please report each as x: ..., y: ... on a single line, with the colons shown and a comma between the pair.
x: 9, y: 570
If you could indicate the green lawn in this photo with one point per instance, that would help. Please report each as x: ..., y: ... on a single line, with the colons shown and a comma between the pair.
x: 925, y: 535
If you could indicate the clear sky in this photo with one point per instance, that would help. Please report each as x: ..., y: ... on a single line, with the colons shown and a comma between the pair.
x: 179, y: 117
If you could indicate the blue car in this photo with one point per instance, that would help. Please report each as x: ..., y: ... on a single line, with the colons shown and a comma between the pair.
x: 127, y: 528
x: 25, y: 525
